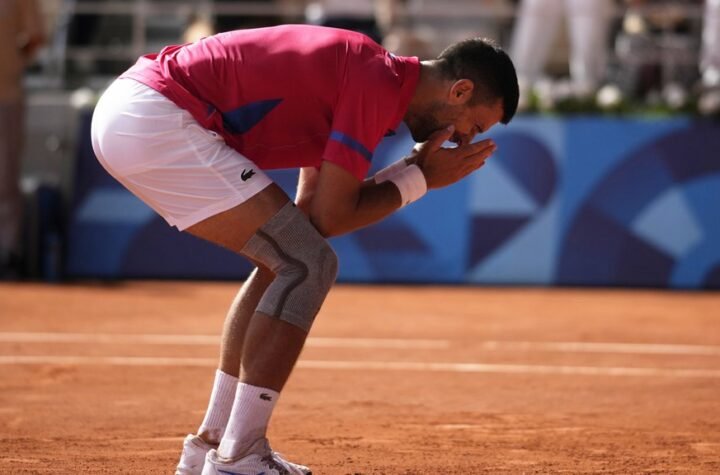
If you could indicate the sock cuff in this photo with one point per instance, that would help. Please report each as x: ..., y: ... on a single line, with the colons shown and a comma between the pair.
x: 248, y: 421
x: 223, y: 380
x: 225, y: 388
x: 220, y: 405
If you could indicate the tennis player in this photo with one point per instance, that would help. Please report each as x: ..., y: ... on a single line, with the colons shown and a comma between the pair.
x: 191, y: 131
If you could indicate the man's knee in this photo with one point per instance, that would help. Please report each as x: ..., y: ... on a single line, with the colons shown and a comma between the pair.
x: 328, y: 268
x: 327, y: 272
x: 304, y: 264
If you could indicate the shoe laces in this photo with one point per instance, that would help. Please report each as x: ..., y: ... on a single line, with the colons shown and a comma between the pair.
x: 275, y: 460
x: 274, y: 464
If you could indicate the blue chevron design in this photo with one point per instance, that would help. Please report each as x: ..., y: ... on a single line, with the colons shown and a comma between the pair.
x: 245, y: 117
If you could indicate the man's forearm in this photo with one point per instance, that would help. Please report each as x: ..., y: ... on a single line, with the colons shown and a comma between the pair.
x: 374, y: 202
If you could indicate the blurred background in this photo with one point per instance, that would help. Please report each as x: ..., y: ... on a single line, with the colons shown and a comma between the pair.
x: 609, y: 176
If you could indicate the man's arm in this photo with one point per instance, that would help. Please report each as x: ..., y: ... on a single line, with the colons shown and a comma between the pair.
x: 341, y: 203
x: 307, y: 183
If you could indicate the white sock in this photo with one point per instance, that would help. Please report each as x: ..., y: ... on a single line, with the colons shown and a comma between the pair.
x: 248, y: 421
x: 221, y: 403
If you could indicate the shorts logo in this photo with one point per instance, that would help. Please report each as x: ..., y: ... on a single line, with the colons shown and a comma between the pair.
x: 247, y: 174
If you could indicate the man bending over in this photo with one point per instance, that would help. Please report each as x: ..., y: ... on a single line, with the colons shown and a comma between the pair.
x: 190, y: 131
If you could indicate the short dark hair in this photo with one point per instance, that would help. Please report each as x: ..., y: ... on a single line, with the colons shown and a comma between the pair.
x: 489, y: 67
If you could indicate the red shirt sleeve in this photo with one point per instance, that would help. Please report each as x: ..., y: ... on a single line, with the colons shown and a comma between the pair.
x: 366, y: 107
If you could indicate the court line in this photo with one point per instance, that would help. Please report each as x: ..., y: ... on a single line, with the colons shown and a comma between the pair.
x: 390, y: 343
x: 374, y: 365
x: 600, y: 347
x: 159, y: 339
x: 511, y: 368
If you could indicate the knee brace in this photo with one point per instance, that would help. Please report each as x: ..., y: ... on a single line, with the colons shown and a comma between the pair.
x: 305, y: 266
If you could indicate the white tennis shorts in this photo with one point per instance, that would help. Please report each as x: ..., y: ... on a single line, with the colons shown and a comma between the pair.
x: 183, y: 171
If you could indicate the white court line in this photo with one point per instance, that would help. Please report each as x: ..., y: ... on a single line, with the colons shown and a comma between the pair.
x: 397, y: 343
x: 27, y: 337
x: 157, y: 339
x: 107, y: 360
x: 597, y: 347
x: 323, y: 342
x: 510, y: 368
x: 373, y: 365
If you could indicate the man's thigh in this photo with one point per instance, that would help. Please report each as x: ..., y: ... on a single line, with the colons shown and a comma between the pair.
x: 234, y: 227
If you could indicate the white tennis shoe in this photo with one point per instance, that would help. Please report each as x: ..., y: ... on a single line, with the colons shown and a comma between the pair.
x: 261, y: 461
x: 193, y: 456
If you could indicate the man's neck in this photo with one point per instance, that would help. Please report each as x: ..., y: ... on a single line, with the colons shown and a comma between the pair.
x: 428, y: 87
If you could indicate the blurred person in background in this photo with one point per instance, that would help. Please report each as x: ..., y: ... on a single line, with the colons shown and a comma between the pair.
x: 535, y: 31
x: 356, y: 15
x: 398, y: 33
x: 710, y: 59
x: 266, y: 13
x: 199, y: 26
x: 662, y: 37
x: 21, y: 34
x: 424, y: 27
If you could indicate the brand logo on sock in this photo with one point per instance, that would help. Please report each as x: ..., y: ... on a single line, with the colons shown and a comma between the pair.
x: 265, y: 397
x: 247, y: 174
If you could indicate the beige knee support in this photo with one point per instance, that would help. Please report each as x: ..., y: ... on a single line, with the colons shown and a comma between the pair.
x: 304, y: 264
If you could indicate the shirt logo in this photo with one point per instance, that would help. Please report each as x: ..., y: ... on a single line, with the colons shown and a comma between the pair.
x: 247, y: 174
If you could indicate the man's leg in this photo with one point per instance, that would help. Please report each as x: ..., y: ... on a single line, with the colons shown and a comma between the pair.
x: 304, y: 268
x: 237, y: 320
x: 230, y: 229
x: 710, y: 52
x: 589, y: 24
x: 534, y: 32
x: 234, y: 334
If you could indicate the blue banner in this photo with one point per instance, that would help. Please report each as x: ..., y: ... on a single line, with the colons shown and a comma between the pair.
x: 564, y: 201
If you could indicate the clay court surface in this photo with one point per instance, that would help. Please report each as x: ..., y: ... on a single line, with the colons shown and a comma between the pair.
x: 99, y: 378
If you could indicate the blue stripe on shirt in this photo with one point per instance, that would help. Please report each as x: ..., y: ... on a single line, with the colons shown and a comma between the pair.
x: 352, y: 143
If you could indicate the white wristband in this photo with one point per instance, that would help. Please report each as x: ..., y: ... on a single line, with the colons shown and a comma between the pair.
x: 390, y: 170
x: 411, y: 184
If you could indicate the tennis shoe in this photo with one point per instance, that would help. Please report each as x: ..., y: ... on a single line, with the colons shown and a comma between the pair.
x: 262, y: 460
x: 193, y: 456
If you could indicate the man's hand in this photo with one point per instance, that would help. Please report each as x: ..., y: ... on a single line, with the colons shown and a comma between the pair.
x: 339, y: 203
x: 445, y: 166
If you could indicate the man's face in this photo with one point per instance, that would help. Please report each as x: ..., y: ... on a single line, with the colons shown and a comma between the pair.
x: 468, y: 120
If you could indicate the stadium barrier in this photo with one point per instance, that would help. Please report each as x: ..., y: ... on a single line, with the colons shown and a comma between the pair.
x: 586, y: 201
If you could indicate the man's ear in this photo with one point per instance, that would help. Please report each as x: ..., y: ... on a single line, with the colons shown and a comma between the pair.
x: 461, y: 91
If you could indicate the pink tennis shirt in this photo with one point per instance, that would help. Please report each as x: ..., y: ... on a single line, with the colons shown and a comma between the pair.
x: 288, y: 96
